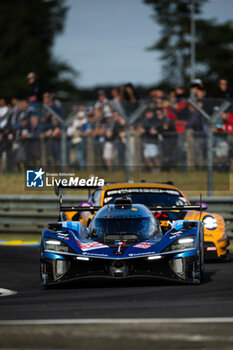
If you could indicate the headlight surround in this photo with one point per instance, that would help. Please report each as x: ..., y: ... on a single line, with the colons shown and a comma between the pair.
x: 55, y: 245
x: 182, y: 244
x: 210, y: 222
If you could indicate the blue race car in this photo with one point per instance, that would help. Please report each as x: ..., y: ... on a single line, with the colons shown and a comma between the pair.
x: 123, y: 240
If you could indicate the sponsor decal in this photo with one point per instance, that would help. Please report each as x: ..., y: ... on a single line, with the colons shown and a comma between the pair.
x: 175, y: 234
x: 91, y: 245
x: 143, y: 253
x: 143, y: 245
x: 142, y: 190
x: 95, y: 254
x: 35, y: 178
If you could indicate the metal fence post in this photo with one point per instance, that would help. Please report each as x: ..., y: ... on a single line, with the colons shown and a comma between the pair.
x: 129, y: 121
x: 64, y: 124
x: 211, y: 120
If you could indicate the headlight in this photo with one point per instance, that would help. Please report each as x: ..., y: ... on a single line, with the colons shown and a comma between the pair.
x: 210, y: 222
x: 54, y: 244
x: 182, y: 244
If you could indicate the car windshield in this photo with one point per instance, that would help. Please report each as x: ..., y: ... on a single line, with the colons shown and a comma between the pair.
x: 125, y: 228
x: 149, y: 196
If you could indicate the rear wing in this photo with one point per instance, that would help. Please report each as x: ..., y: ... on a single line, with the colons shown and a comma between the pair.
x: 156, y: 208
x: 93, y: 209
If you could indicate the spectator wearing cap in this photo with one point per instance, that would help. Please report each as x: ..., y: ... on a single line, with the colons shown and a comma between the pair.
x: 195, y: 86
x: 34, y: 92
x: 102, y: 102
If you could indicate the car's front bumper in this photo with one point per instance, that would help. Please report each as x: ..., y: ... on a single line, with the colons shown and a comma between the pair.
x: 171, y: 266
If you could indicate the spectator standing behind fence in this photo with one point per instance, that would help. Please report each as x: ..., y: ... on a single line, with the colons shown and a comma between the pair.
x: 115, y: 96
x: 98, y: 130
x: 53, y: 136
x: 223, y: 140
x: 108, y: 149
x: 21, y: 145
x: 223, y: 89
x: 34, y: 155
x: 119, y: 138
x: 149, y: 136
x: 195, y: 124
x: 50, y: 130
x: 166, y: 137
x: 34, y: 92
x: 128, y: 98
x: 78, y: 131
x: 102, y: 102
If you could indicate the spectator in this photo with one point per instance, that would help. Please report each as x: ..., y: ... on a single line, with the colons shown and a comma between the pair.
x: 119, y: 137
x: 195, y: 86
x: 98, y: 130
x: 4, y: 109
x: 223, y: 90
x: 128, y: 98
x: 150, y: 140
x: 34, y: 141
x: 195, y: 123
x: 79, y: 129
x: 34, y: 93
x: 108, y: 150
x: 102, y: 102
x: 223, y: 133
x: 115, y: 96
x: 46, y: 116
x: 166, y: 136
x: 22, y: 135
x: 53, y: 136
x: 24, y: 112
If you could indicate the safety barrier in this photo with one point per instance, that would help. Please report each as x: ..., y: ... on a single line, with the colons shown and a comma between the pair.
x: 31, y: 214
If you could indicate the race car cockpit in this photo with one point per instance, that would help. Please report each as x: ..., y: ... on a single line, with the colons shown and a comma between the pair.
x: 125, y: 222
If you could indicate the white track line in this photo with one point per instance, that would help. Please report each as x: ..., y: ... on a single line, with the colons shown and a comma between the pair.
x: 6, y: 292
x: 118, y: 321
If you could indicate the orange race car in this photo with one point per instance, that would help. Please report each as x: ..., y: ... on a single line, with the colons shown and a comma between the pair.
x: 161, y: 194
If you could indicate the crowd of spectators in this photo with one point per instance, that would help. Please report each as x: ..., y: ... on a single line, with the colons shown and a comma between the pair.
x: 30, y: 133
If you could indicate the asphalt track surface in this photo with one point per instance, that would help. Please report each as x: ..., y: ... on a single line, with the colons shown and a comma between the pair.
x: 94, y: 299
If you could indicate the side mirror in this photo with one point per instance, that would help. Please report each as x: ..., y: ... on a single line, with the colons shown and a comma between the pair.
x: 204, y: 206
x: 92, y: 234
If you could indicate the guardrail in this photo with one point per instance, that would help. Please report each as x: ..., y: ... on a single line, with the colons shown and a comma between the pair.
x: 31, y: 214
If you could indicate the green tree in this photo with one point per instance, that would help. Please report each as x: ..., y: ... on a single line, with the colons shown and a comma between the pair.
x: 174, y: 44
x: 28, y: 29
x: 214, y: 51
